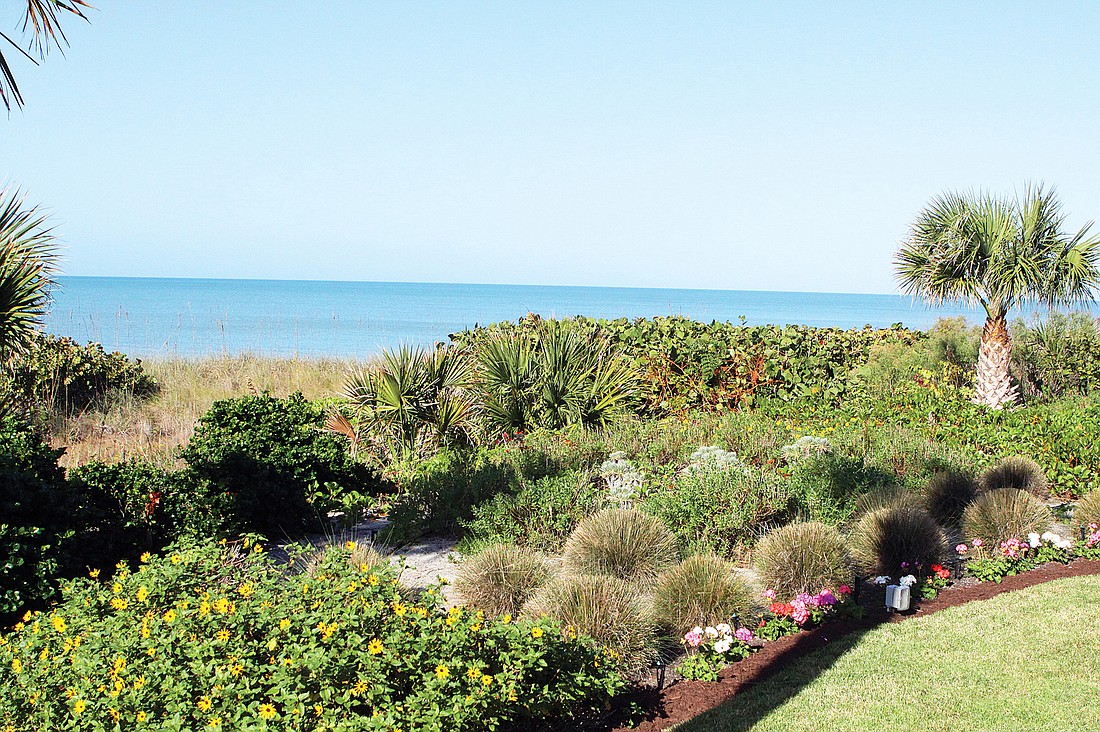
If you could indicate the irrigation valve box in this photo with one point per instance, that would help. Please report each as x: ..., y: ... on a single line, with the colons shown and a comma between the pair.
x: 897, y: 597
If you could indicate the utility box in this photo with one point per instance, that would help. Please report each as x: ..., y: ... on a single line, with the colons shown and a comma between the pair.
x: 897, y: 597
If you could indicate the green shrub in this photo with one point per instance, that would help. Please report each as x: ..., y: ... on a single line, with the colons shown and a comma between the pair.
x: 60, y: 375
x: 622, y: 543
x: 604, y: 608
x: 1003, y: 514
x: 1016, y: 472
x: 37, y: 517
x: 265, y: 465
x: 1087, y: 511
x: 1058, y: 356
x: 701, y: 590
x: 947, y: 495
x: 825, y: 487
x: 884, y: 540
x: 803, y: 557
x: 500, y: 578
x: 207, y: 638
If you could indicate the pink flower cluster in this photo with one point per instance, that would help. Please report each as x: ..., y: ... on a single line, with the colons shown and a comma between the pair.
x: 1093, y: 539
x: 1013, y: 548
x: 801, y: 608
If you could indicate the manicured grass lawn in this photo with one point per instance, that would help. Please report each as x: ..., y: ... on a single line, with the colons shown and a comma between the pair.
x: 1024, y: 660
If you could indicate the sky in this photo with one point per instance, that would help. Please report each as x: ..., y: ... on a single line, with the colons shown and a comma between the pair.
x: 744, y: 146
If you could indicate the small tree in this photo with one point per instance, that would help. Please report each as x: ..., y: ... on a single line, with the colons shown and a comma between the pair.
x: 999, y: 253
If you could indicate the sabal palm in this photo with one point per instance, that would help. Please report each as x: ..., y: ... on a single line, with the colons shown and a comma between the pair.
x: 42, y: 19
x: 999, y: 253
x: 28, y: 261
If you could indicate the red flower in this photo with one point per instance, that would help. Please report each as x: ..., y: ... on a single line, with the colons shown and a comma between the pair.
x: 782, y: 608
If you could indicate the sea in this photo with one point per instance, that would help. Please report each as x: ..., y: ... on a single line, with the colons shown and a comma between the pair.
x: 189, y: 318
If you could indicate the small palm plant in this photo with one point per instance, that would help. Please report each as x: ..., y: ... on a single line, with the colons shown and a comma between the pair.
x: 28, y: 262
x: 998, y: 253
x: 412, y: 401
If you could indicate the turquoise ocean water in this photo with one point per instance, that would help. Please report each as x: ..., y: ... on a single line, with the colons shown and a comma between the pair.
x: 193, y: 317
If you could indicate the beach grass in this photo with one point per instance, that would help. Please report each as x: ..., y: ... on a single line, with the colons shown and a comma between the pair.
x: 1028, y: 659
x: 155, y: 427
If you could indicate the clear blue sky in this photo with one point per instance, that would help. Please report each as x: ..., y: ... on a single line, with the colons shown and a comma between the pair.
x: 773, y: 146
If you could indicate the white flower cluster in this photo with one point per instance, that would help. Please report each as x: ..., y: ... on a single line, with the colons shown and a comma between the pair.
x: 804, y: 447
x: 713, y: 459
x: 1035, y: 540
x: 624, y: 481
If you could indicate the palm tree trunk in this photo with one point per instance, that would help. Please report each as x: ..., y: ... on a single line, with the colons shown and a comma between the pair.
x: 993, y: 385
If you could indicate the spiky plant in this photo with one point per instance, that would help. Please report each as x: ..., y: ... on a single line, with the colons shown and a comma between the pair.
x: 803, y: 557
x: 28, y: 262
x: 1007, y: 513
x: 43, y: 20
x: 883, y: 540
x: 701, y: 590
x: 623, y: 543
x: 1018, y: 472
x: 998, y: 253
x: 947, y: 494
x: 1087, y: 510
x: 606, y: 609
x: 501, y: 578
x: 882, y: 497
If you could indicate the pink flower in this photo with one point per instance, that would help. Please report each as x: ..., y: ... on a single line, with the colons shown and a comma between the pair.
x: 803, y: 597
x: 844, y: 590
x: 744, y: 635
x: 800, y: 614
x: 770, y: 594
x: 693, y: 638
x: 961, y: 548
x: 976, y: 543
x: 826, y: 598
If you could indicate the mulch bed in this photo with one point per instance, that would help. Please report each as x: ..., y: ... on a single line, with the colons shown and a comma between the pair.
x: 684, y: 700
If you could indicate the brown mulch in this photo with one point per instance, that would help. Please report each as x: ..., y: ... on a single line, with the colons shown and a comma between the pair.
x: 684, y: 700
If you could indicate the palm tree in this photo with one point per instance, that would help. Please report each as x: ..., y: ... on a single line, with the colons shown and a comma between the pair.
x: 999, y: 253
x: 28, y: 261
x: 42, y: 19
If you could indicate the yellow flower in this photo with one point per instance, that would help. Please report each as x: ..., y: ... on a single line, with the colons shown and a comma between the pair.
x: 19, y: 626
x: 473, y: 673
x: 318, y: 709
x: 372, y: 579
x: 353, y: 586
x: 267, y: 711
x: 221, y: 605
x: 142, y: 594
x: 116, y: 588
x: 120, y: 663
x: 17, y: 665
x: 359, y: 688
x: 222, y: 635
x: 139, y: 682
x: 94, y: 573
x: 536, y: 632
x: 246, y: 589
x: 79, y: 706
x: 350, y: 546
x: 146, y: 557
x: 442, y: 672
x: 58, y: 623
x: 475, y: 627
x: 113, y: 713
x: 284, y: 624
x: 142, y: 716
x: 204, y: 704
x: 399, y: 609
x: 152, y: 652
x: 363, y: 566
x: 204, y: 608
x: 215, y: 723
x: 176, y: 559
x: 257, y: 549
x: 486, y: 680
x: 119, y: 603
x: 375, y: 647
x: 235, y: 670
x: 169, y: 616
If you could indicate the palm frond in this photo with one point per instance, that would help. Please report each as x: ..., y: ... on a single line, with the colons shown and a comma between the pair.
x: 28, y: 262
x: 43, y: 19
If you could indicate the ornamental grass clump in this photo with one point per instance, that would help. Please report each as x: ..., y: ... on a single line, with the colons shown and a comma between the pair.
x: 622, y: 543
x: 1087, y: 511
x: 1004, y: 514
x: 210, y: 639
x: 946, y: 496
x: 701, y: 590
x: 803, y: 557
x: 896, y: 538
x: 884, y: 497
x: 502, y: 577
x: 1021, y: 473
x: 606, y: 609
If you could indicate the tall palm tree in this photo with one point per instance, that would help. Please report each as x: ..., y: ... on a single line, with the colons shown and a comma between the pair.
x: 999, y: 253
x: 28, y: 262
x: 42, y: 19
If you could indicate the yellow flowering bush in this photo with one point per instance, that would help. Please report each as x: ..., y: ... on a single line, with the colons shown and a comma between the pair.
x: 215, y: 636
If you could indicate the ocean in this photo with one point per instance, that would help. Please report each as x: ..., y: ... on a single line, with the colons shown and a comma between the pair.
x: 162, y: 317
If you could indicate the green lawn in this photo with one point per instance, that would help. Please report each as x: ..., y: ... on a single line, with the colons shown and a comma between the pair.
x: 1023, y: 660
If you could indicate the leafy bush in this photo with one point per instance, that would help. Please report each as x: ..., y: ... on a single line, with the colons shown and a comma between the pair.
x: 701, y: 590
x: 622, y: 543
x: 501, y: 578
x: 1005, y: 514
x: 947, y: 495
x: 63, y: 376
x: 718, y: 507
x: 604, y: 608
x: 1016, y: 472
x: 206, y: 638
x: 541, y: 514
x: 1057, y: 356
x: 803, y: 557
x: 825, y: 487
x: 264, y: 464
x: 896, y: 538
x: 37, y: 511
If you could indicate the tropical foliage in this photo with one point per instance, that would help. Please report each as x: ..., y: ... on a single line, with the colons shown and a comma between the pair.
x: 28, y: 261
x: 43, y: 19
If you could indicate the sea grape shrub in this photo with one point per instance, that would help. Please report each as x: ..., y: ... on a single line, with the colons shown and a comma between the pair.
x: 65, y: 377
x: 215, y: 636
x: 36, y: 517
x: 263, y: 464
